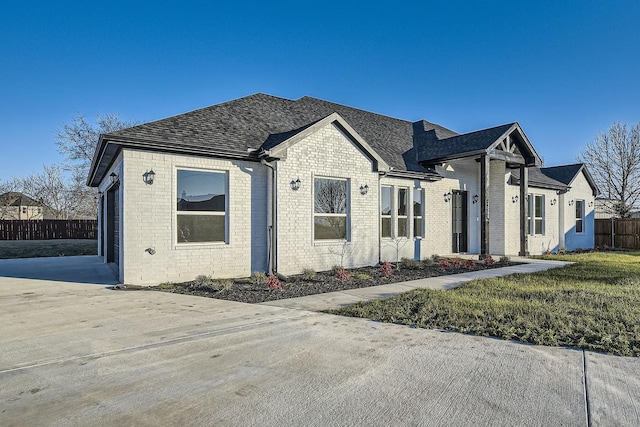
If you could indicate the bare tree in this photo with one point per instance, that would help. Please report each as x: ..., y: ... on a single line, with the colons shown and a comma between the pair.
x: 77, y: 140
x: 613, y: 159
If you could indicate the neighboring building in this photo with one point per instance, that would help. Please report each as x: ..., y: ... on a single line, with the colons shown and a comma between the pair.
x: 19, y: 206
x: 269, y: 184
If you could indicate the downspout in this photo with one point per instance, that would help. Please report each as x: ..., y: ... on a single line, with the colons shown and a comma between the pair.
x: 272, y: 247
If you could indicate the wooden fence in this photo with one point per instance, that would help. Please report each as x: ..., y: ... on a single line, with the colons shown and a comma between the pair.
x: 623, y: 233
x: 47, y: 229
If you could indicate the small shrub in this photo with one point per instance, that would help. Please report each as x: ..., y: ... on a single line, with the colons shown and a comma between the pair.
x: 386, y: 270
x: 456, y: 263
x: 470, y: 264
x: 504, y: 260
x: 435, y: 258
x: 488, y: 260
x: 343, y: 275
x: 222, y: 284
x: 562, y: 251
x: 336, y: 268
x: 411, y: 263
x: 308, y: 273
x: 273, y: 283
x: 361, y: 276
x: 444, y: 264
x: 203, y: 280
x: 579, y: 251
x: 428, y: 261
x: 258, y: 278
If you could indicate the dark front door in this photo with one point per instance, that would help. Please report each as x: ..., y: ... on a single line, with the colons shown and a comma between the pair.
x: 113, y: 225
x: 459, y: 221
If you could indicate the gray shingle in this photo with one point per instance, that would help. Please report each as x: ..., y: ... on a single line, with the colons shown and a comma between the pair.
x: 564, y: 173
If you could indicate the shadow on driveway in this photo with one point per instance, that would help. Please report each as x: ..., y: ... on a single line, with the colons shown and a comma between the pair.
x: 73, y: 269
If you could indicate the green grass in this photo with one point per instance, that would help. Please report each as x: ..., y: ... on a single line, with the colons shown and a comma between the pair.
x: 593, y: 304
x: 47, y: 248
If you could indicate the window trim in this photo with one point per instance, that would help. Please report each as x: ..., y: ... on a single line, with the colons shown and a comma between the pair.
x: 404, y: 217
x: 385, y: 216
x: 420, y: 233
x: 531, y: 214
x: 347, y: 213
x: 581, y: 218
x: 225, y: 213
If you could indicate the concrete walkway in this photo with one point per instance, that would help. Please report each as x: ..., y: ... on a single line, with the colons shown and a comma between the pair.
x: 332, y: 300
x: 77, y: 354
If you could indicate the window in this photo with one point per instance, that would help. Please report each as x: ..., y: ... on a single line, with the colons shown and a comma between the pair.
x: 385, y: 211
x: 201, y: 206
x: 330, y: 209
x: 536, y: 210
x: 403, y: 202
x: 579, y: 216
x: 418, y: 207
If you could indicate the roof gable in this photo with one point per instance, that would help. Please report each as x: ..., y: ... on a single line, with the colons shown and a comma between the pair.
x: 568, y: 173
x: 335, y: 119
x: 507, y: 141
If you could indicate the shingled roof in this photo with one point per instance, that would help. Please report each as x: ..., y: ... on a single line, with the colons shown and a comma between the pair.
x: 568, y: 173
x: 14, y: 198
x: 538, y: 179
x: 233, y: 129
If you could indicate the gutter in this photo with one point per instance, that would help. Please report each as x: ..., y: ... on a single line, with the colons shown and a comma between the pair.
x: 272, y: 235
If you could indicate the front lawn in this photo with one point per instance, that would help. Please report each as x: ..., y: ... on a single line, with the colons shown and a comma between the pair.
x: 47, y: 248
x: 593, y: 304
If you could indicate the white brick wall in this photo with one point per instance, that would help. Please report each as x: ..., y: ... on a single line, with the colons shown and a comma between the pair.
x: 539, y: 243
x: 325, y: 153
x: 148, y: 220
x: 580, y: 190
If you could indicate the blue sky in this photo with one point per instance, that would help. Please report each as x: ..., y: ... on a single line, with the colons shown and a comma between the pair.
x: 565, y: 70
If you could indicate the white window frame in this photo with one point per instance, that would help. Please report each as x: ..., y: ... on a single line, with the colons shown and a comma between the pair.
x: 531, y: 214
x: 346, y: 214
x: 420, y: 232
x: 387, y: 216
x: 225, y: 175
x: 404, y: 217
x: 580, y: 219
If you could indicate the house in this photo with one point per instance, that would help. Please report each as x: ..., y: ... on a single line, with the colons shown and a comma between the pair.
x: 263, y: 183
x: 18, y: 206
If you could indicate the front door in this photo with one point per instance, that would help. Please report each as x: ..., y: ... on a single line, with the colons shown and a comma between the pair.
x: 459, y: 221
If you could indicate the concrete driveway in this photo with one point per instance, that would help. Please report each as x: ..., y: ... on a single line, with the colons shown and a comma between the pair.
x: 76, y: 354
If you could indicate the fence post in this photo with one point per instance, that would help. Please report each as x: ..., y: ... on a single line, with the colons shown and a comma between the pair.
x: 613, y: 232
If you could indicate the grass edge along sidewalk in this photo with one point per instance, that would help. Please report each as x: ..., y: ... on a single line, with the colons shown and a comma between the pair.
x: 593, y: 304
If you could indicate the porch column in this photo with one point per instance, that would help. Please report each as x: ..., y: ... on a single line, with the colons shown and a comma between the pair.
x: 485, y: 164
x: 524, y: 208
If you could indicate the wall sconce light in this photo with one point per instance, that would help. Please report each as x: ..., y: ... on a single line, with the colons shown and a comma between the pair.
x: 571, y: 202
x: 515, y: 199
x: 475, y: 199
x: 553, y: 202
x: 148, y: 177
x: 364, y: 189
x: 447, y: 197
x: 114, y: 177
x: 151, y: 250
x: 295, y: 185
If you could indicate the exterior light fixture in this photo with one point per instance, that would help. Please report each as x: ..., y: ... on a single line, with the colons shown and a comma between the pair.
x: 515, y: 199
x: 447, y: 197
x: 553, y: 202
x: 114, y: 177
x: 571, y: 202
x: 364, y: 189
x: 148, y: 177
x: 475, y: 199
x: 295, y: 185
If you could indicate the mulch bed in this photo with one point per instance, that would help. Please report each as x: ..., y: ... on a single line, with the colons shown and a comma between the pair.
x: 243, y: 290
